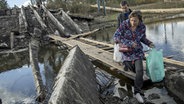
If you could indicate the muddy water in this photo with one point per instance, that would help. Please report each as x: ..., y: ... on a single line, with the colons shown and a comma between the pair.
x: 165, y: 35
x: 16, y: 76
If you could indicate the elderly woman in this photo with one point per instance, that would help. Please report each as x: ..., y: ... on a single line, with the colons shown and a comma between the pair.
x: 130, y: 35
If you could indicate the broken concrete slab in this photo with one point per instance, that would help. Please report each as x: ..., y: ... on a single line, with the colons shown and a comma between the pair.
x: 76, y: 81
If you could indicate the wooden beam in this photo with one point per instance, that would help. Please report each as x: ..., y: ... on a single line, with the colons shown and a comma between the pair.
x: 33, y: 54
x: 77, y: 16
x: 97, y: 42
x: 59, y: 26
x: 24, y: 17
x: 84, y: 34
x: 174, y: 62
x: 71, y: 23
x: 90, y: 32
x: 108, y: 48
x: 13, y: 51
x: 40, y: 20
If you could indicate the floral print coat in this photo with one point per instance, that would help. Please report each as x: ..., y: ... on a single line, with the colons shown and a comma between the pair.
x: 124, y: 35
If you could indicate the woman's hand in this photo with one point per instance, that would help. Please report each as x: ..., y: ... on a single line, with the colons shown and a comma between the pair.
x: 134, y: 45
x: 152, y: 45
x: 116, y: 42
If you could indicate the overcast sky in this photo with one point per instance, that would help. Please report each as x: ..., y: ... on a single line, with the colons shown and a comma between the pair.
x: 11, y: 3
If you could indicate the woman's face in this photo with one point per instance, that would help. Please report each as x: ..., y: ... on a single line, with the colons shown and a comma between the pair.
x: 134, y: 21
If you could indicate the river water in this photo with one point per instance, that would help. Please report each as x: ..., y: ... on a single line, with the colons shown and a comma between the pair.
x: 16, y: 77
x: 167, y: 36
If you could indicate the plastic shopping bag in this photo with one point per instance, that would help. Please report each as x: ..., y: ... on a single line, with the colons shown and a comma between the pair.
x: 155, y: 65
x: 117, y: 55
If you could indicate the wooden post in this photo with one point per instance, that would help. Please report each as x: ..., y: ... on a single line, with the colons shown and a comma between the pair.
x: 12, y: 40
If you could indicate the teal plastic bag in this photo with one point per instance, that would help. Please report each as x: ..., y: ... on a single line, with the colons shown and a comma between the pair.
x: 155, y: 65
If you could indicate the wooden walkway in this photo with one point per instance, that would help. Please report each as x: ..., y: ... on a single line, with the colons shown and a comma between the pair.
x: 109, y: 47
x: 96, y: 53
x: 105, y: 54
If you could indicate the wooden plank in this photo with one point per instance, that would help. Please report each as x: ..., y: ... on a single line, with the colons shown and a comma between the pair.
x: 79, y: 16
x: 111, y: 50
x: 174, y: 62
x: 13, y: 51
x: 97, y: 42
x: 96, y: 53
x: 107, y: 48
x: 107, y: 57
x: 166, y: 60
x: 170, y: 10
x: 84, y: 34
x: 90, y: 32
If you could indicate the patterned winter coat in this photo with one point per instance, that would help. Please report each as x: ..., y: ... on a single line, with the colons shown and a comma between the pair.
x: 124, y: 35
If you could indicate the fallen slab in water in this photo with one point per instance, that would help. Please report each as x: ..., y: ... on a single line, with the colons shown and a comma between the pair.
x: 76, y: 81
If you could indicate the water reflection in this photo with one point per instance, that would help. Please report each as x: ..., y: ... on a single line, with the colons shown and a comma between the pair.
x: 17, y: 85
x: 104, y: 35
x: 16, y: 77
x: 165, y: 35
x: 169, y: 37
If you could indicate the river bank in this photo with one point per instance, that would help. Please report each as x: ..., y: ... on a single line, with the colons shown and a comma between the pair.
x: 111, y: 15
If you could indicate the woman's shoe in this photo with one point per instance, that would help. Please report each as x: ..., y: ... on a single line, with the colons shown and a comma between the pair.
x: 139, y: 98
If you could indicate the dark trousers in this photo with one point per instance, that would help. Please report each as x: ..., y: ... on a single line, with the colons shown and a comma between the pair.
x: 137, y: 67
